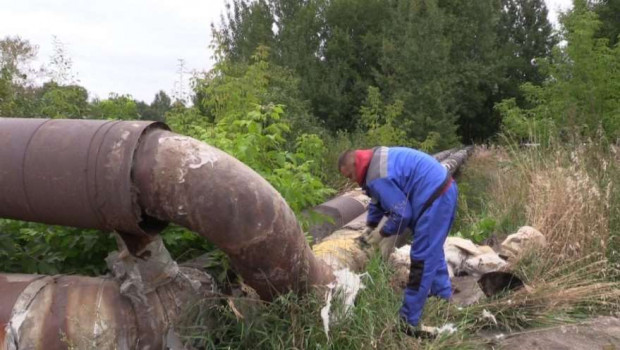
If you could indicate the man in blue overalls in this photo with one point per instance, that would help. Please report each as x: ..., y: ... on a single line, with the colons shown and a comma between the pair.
x: 414, y: 191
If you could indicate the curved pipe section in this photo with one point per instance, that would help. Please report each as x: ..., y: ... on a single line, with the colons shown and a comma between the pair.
x: 182, y: 180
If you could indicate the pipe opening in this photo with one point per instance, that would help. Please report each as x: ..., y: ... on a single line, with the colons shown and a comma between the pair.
x: 151, y: 225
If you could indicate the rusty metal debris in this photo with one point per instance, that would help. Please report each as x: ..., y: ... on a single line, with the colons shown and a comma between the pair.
x: 60, y: 312
x: 336, y: 212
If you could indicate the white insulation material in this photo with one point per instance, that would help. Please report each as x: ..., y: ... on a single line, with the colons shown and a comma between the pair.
x: 345, y: 289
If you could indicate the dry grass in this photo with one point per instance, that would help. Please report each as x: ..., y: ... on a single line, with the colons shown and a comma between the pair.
x: 568, y: 205
x: 567, y: 194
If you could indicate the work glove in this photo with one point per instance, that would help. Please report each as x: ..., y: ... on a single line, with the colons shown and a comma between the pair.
x: 371, y: 236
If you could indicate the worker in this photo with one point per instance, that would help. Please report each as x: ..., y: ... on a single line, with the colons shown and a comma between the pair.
x: 413, y: 190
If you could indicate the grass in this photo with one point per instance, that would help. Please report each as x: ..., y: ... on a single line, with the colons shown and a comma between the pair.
x: 568, y: 193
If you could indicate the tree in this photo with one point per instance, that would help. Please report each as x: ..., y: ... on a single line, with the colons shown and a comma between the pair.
x: 581, y: 95
x: 247, y: 26
x: 525, y: 35
x: 470, y: 27
x: 415, y: 67
x: 117, y: 107
x: 608, y: 12
x: 157, y: 109
x: 58, y: 101
x: 60, y: 68
x: 16, y: 74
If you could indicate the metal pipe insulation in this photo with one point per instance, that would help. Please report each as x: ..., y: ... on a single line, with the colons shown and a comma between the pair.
x: 134, y: 177
x: 134, y: 310
x: 456, y: 159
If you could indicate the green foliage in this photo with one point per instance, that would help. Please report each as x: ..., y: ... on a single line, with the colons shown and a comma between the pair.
x: 231, y: 90
x: 69, y: 101
x: 36, y: 248
x: 608, y: 12
x: 115, y: 107
x: 157, y: 109
x: 247, y: 121
x: 378, y: 121
x: 16, y: 56
x: 292, y: 322
x: 258, y: 140
x: 581, y: 94
x: 480, y: 231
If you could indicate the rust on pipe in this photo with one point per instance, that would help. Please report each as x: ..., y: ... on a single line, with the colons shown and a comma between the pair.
x: 134, y: 177
x: 61, y: 312
x: 206, y: 190
x: 336, y: 212
x: 134, y: 310
x: 73, y: 173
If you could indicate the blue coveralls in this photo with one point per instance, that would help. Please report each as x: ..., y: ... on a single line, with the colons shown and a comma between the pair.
x: 400, y: 181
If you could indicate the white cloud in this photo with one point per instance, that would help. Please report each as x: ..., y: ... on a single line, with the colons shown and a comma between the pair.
x: 127, y: 47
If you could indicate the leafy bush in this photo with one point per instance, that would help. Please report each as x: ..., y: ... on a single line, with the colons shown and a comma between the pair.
x: 580, y: 95
x: 37, y: 248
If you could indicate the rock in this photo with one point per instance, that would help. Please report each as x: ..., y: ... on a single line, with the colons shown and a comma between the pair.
x: 526, y: 238
x: 483, y: 263
x: 462, y: 255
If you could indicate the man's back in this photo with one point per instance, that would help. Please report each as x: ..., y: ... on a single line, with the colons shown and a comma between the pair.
x: 415, y: 173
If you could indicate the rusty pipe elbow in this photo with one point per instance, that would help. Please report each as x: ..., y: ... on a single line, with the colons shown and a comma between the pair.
x: 184, y: 181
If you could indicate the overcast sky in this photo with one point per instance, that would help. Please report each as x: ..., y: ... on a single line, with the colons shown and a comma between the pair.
x: 127, y: 46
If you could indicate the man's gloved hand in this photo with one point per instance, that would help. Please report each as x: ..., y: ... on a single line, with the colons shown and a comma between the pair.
x: 371, y: 235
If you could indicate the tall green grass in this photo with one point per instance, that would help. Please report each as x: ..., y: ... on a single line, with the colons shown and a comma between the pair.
x: 568, y: 192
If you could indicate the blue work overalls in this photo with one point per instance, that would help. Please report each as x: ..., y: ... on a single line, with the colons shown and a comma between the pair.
x: 400, y: 182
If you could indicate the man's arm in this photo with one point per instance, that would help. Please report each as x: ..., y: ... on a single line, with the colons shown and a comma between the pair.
x: 375, y: 214
x: 395, y: 202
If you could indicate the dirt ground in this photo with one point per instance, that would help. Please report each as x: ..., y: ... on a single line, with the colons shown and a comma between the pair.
x: 601, y: 333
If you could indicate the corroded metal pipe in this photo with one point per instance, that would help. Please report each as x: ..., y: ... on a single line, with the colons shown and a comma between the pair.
x: 73, y: 173
x: 134, y: 177
x: 456, y: 159
x: 336, y: 212
x: 204, y: 189
x: 76, y: 312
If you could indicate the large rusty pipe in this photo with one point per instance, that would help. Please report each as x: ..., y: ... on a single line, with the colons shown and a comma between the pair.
x: 206, y: 190
x: 73, y: 173
x: 76, y: 312
x: 133, y: 177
